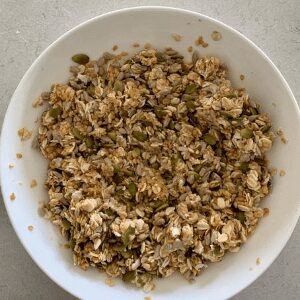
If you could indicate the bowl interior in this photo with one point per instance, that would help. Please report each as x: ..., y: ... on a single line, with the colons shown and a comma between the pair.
x: 155, y: 26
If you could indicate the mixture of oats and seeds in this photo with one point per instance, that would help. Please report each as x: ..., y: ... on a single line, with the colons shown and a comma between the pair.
x: 156, y: 165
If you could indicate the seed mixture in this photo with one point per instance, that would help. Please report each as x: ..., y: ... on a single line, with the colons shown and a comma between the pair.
x: 156, y: 165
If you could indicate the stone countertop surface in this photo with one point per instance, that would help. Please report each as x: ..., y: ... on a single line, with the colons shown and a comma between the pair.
x: 27, y: 28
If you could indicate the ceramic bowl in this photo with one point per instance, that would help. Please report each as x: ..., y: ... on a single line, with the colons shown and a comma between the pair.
x: 152, y: 25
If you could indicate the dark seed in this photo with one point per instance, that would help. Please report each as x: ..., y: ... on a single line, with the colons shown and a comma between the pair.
x: 80, y: 58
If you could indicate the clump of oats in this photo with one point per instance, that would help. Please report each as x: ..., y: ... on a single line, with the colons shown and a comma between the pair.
x: 110, y: 282
x: 177, y: 37
x: 242, y: 77
x: 33, y: 183
x: 38, y: 102
x: 24, y: 134
x: 281, y: 135
x: 200, y: 42
x: 12, y: 196
x: 282, y: 173
x: 135, y: 45
x: 190, y: 49
x: 19, y: 155
x: 30, y: 228
x: 115, y: 47
x: 156, y: 165
x: 216, y: 35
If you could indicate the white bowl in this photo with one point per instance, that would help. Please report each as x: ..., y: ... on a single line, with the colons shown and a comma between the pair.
x: 265, y: 85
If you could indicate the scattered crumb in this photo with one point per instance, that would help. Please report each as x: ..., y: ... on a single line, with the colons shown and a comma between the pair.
x: 147, y: 46
x: 12, y: 196
x: 37, y: 102
x: 19, y: 155
x: 33, y: 183
x: 201, y: 42
x: 30, y: 227
x: 188, y: 23
x: 242, y: 77
x: 24, y: 134
x: 41, y: 211
x: 266, y: 211
x: 216, y: 35
x: 176, y: 37
x: 135, y: 45
x: 250, y: 269
x: 274, y: 104
x: 20, y: 183
x: 273, y: 171
x: 281, y: 173
x: 282, y: 136
x: 190, y: 49
x: 115, y: 47
x: 147, y: 298
x: 11, y: 165
x: 258, y: 261
x: 109, y: 281
x: 67, y: 246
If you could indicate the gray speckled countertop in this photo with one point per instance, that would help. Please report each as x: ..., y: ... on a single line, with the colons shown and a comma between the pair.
x: 27, y: 28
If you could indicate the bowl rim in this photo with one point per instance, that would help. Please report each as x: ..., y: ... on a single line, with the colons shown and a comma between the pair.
x: 124, y: 11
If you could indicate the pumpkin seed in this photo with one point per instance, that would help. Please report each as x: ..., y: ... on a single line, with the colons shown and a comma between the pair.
x: 89, y: 142
x: 190, y: 89
x: 80, y: 58
x: 76, y: 132
x: 253, y: 111
x: 118, y: 86
x: 244, y: 167
x: 127, y: 235
x: 265, y: 128
x: 246, y: 133
x: 140, y: 136
x: 241, y: 216
x: 132, y: 189
x: 66, y: 224
x: 55, y: 112
x: 160, y: 113
x: 209, y: 139
x: 129, y: 277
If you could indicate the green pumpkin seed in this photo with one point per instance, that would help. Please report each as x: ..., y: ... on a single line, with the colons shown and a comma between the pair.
x: 244, y: 167
x: 209, y: 139
x: 265, y: 128
x: 171, y: 125
x: 160, y: 113
x: 132, y: 189
x: 136, y: 152
x: 190, y: 105
x: 76, y: 132
x: 129, y: 277
x: 140, y: 136
x: 246, y: 133
x: 66, y: 224
x: 155, y: 165
x: 226, y: 114
x: 186, y: 97
x: 190, y: 89
x: 126, y: 236
x: 112, y: 135
x: 230, y: 96
x: 80, y: 58
x: 241, y: 216
x: 118, y: 86
x: 253, y: 111
x: 128, y: 172
x: 91, y: 90
x: 161, y: 207
x: 88, y: 142
x: 55, y: 112
x: 197, y: 168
